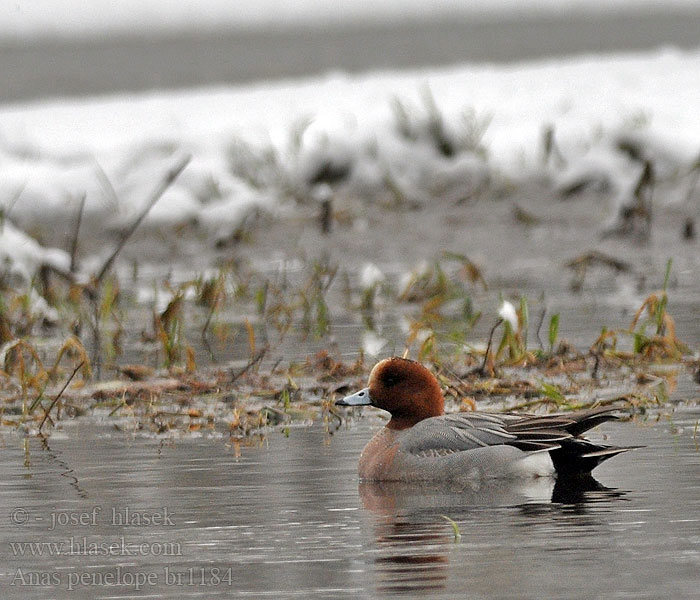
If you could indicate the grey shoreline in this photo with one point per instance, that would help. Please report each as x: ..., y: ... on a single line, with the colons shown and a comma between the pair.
x: 50, y: 68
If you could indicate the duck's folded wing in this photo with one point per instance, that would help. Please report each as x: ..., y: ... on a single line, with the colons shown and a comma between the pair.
x: 447, y: 434
x: 574, y: 423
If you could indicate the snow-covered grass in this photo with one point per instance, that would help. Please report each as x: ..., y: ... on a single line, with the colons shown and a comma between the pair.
x: 414, y: 137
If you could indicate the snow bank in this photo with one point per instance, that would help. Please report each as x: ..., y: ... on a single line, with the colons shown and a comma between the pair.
x: 417, y: 136
x: 21, y: 256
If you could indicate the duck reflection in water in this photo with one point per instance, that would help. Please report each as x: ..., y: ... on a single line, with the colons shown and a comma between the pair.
x: 414, y: 540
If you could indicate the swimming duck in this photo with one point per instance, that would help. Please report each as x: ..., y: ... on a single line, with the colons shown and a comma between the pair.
x: 421, y: 443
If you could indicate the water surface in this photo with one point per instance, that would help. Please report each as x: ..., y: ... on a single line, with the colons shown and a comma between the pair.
x: 284, y: 517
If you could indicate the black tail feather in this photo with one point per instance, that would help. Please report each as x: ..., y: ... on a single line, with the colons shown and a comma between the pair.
x: 560, y: 434
x: 577, y: 455
x: 588, y: 419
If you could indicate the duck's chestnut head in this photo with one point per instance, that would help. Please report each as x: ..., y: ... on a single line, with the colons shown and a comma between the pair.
x: 404, y: 388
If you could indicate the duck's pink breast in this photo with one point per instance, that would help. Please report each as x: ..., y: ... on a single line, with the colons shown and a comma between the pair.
x: 377, y: 458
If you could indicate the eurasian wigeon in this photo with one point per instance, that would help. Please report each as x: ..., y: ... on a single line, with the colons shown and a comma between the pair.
x: 421, y: 443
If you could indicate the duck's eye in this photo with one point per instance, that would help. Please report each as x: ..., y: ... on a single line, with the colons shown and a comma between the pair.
x: 390, y: 380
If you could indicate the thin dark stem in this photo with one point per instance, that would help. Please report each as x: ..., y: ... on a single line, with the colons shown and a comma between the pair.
x: 97, y: 336
x: 539, y: 327
x: 58, y: 396
x: 76, y: 234
x: 252, y: 362
x: 160, y: 189
x: 488, y: 346
x: 210, y: 316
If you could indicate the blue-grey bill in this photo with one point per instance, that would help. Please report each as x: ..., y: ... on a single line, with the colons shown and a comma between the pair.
x: 360, y: 398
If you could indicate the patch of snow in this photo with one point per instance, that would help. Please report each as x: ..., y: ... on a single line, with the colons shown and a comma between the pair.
x: 21, y: 256
x: 508, y: 314
x: 370, y: 276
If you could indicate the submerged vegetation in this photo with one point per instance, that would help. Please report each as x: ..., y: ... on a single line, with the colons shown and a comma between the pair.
x: 261, y: 314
